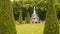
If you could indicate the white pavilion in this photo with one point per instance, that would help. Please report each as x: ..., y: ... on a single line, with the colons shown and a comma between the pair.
x: 34, y: 17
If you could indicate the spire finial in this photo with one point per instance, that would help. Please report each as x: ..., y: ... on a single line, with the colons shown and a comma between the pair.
x: 34, y: 11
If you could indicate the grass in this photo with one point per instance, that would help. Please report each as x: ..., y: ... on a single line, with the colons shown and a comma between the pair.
x: 30, y: 28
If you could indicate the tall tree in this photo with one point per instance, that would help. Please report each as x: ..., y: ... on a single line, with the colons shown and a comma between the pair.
x: 28, y: 18
x: 51, y: 25
x: 7, y: 25
x: 20, y: 17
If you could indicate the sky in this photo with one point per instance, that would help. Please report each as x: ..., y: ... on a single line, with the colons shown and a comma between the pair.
x: 13, y: 0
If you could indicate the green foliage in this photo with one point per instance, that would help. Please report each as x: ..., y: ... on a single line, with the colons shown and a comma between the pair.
x: 51, y: 25
x: 16, y: 7
x: 7, y: 25
x: 28, y: 18
x: 27, y: 4
x: 20, y: 17
x: 42, y: 15
x: 41, y: 5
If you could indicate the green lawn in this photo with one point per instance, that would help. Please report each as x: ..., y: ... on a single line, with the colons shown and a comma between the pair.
x: 30, y: 28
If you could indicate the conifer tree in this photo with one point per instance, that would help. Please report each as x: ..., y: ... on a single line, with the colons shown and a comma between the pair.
x: 20, y: 17
x: 28, y: 18
x: 51, y: 24
x: 7, y: 25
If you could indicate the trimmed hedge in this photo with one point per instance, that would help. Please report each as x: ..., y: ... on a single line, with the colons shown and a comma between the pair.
x: 20, y: 17
x: 51, y: 25
x: 7, y: 25
x: 28, y: 18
